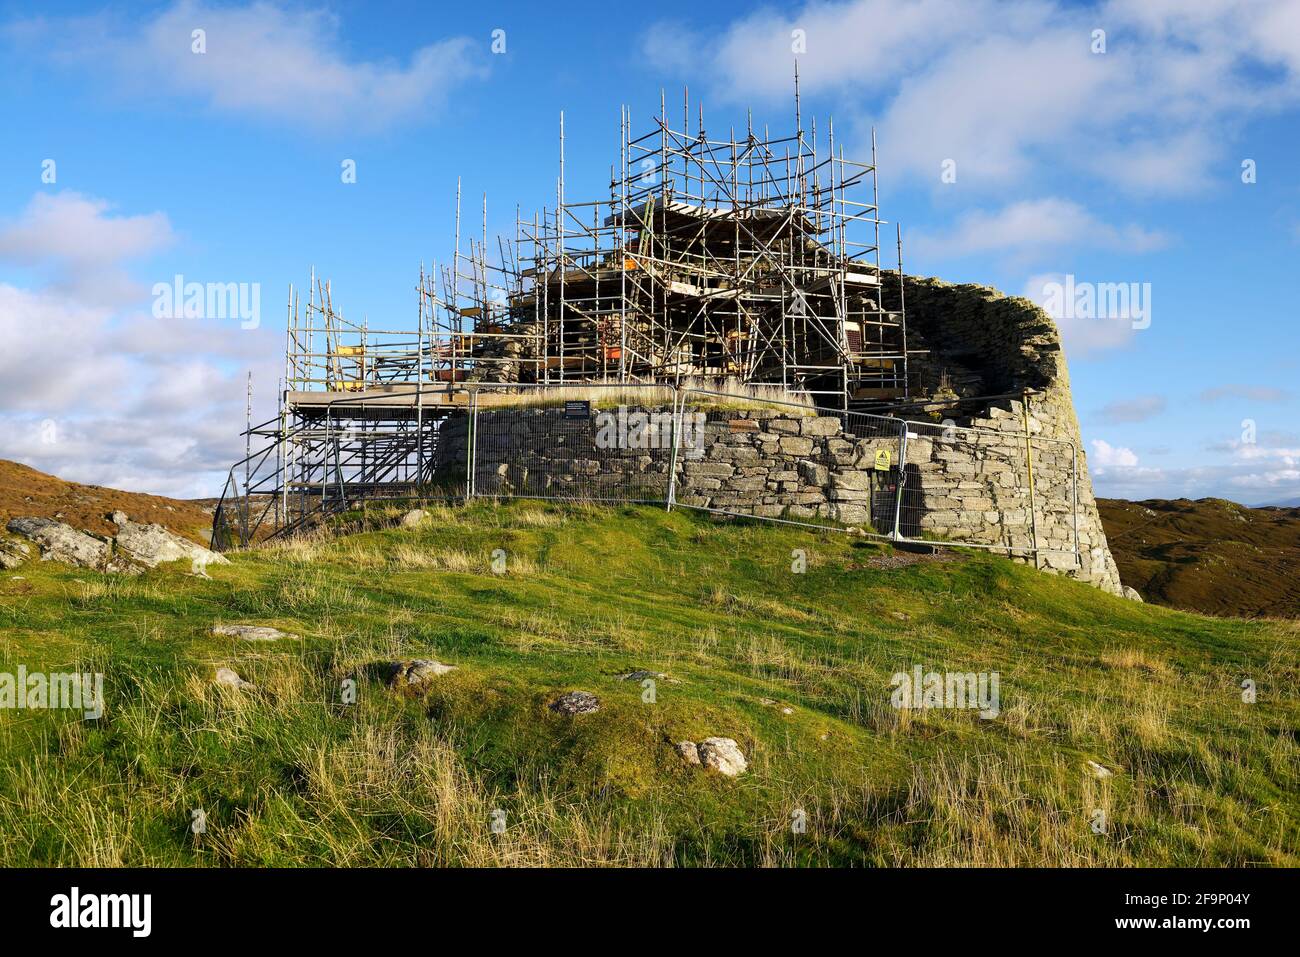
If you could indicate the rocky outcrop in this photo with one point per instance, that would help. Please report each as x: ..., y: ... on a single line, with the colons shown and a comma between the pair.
x: 135, y: 547
x: 62, y: 543
x: 151, y: 545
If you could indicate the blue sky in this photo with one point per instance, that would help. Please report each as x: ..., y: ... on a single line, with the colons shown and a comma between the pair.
x: 1114, y: 165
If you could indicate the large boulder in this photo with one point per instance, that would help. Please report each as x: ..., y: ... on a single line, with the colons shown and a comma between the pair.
x: 62, y: 543
x: 152, y: 545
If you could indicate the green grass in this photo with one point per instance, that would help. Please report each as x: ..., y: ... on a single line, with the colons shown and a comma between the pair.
x: 289, y: 775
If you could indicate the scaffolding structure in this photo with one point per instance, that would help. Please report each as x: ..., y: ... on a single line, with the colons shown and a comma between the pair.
x: 754, y: 260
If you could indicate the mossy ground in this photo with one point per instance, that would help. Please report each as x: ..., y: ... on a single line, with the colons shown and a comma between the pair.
x: 291, y: 775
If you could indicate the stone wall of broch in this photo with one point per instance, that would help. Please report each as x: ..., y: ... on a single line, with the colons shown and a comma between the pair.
x: 966, y: 481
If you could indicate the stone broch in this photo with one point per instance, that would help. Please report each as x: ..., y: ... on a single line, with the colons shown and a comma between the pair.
x: 971, y: 487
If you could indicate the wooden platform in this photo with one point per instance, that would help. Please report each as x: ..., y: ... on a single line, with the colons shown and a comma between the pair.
x: 397, y: 401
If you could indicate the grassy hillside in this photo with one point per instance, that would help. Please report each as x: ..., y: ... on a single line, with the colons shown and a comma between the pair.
x: 289, y: 775
x: 1208, y: 555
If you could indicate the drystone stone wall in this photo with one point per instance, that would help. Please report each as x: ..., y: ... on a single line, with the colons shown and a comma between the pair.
x: 982, y: 342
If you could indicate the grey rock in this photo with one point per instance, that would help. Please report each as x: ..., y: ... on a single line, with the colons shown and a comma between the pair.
x: 62, y: 543
x: 13, y: 554
x: 416, y: 674
x: 1131, y: 593
x: 641, y: 675
x: 689, y: 751
x: 722, y: 755
x: 250, y: 632
x: 414, y: 517
x: 821, y: 425
x: 1098, y: 771
x: 231, y: 679
x: 576, y: 702
x: 152, y: 545
x: 122, y: 565
x: 813, y: 473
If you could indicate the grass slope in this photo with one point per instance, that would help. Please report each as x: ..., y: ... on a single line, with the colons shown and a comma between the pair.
x: 289, y: 775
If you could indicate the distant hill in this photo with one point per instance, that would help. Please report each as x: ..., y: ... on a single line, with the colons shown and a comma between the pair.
x: 1208, y: 555
x: 1286, y: 503
x: 26, y: 492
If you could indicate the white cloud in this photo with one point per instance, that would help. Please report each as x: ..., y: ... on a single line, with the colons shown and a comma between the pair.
x: 1000, y: 87
x: 1033, y: 226
x: 1106, y: 456
x: 1276, y: 478
x: 101, y: 394
x: 1250, y: 393
x: 82, y: 244
x: 76, y: 230
x: 1254, y: 473
x: 1082, y: 337
x: 1192, y: 482
x: 1138, y: 409
x: 275, y: 61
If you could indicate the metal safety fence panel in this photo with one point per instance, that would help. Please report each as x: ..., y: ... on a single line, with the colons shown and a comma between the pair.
x: 1001, y: 489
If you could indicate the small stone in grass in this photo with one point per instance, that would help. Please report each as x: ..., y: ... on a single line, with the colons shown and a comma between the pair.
x: 416, y: 674
x: 722, y: 755
x: 227, y: 677
x: 250, y: 632
x: 1098, y: 771
x: 414, y: 517
x: 641, y: 675
x: 576, y: 702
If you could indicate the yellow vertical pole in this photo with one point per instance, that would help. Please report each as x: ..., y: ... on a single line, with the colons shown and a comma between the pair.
x: 1029, y: 460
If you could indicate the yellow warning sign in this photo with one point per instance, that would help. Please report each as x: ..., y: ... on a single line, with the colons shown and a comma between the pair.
x: 882, y: 460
